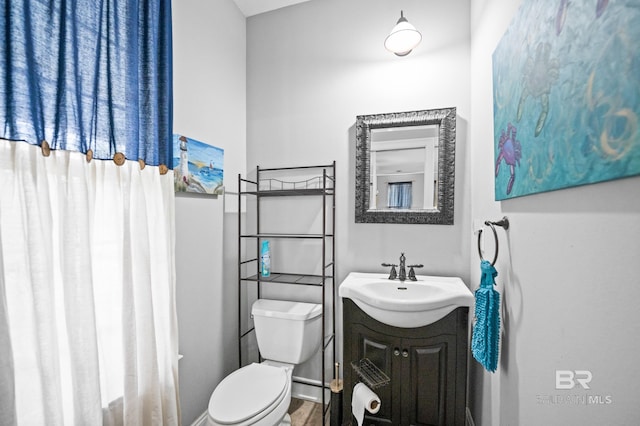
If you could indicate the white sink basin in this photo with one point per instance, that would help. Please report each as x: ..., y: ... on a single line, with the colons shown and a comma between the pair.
x: 407, y: 303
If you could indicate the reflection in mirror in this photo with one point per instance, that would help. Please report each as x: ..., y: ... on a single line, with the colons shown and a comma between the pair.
x: 405, y: 167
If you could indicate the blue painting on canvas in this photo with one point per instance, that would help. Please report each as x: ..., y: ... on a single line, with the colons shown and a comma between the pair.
x: 566, y: 96
x: 197, y: 166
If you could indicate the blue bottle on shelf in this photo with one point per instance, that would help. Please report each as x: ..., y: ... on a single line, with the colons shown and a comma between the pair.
x: 265, y: 259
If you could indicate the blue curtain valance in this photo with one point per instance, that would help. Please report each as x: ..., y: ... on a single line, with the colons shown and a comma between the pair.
x: 88, y: 75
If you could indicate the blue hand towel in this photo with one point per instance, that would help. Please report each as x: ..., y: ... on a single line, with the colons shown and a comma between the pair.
x: 486, y: 331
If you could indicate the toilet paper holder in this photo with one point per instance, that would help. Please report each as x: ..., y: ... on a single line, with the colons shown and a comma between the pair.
x: 370, y: 374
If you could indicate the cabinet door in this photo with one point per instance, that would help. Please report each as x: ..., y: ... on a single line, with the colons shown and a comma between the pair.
x: 379, y: 348
x: 428, y: 381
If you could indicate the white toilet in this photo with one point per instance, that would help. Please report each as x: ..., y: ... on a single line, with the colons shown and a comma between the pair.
x: 288, y: 333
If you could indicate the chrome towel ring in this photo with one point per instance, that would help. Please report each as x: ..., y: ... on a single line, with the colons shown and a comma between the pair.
x: 504, y: 223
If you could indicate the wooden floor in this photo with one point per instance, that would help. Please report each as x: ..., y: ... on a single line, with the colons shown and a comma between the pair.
x: 305, y: 413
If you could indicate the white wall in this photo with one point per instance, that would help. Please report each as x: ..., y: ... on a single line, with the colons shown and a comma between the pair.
x: 209, y: 105
x: 312, y: 68
x: 568, y: 275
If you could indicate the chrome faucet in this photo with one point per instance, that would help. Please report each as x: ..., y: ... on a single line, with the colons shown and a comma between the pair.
x: 402, y: 275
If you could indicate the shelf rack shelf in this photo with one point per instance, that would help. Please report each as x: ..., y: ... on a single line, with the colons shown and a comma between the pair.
x: 301, y: 236
x: 322, y: 185
x: 286, y: 278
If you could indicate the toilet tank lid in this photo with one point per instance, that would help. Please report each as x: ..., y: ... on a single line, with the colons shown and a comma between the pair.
x: 285, y: 309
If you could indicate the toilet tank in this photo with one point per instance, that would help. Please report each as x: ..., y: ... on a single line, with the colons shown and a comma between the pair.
x: 288, y: 332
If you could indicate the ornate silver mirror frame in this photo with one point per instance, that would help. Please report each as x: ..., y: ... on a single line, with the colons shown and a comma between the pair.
x: 442, y: 213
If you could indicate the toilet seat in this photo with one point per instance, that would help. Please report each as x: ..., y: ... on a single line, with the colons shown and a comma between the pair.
x: 248, y: 393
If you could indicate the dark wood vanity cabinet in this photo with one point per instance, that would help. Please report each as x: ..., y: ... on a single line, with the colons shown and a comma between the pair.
x: 427, y: 367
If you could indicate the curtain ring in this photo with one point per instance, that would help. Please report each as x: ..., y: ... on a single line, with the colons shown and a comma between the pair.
x: 46, y: 149
x: 495, y: 236
x: 118, y: 158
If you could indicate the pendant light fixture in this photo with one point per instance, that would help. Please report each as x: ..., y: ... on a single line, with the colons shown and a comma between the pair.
x: 403, y: 37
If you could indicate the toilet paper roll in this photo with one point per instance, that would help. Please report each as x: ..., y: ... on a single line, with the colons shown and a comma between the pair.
x: 363, y: 398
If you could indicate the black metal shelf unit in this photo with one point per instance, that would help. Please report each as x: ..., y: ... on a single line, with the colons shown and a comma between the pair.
x: 322, y: 184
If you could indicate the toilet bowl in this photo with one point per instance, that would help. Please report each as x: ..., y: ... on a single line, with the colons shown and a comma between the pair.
x: 258, y: 394
x: 288, y: 333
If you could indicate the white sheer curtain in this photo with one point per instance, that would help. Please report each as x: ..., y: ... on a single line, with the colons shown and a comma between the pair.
x: 88, y: 329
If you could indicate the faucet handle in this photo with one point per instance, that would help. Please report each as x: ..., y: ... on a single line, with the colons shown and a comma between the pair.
x: 392, y: 274
x: 412, y: 273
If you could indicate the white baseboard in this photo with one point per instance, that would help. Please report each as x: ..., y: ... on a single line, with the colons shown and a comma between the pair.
x: 469, y: 420
x: 201, y: 421
x: 307, y: 392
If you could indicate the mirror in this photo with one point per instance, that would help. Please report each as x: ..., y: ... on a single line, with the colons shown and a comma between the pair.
x: 405, y: 167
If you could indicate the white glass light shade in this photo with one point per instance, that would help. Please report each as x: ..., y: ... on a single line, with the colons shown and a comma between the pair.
x: 403, y: 37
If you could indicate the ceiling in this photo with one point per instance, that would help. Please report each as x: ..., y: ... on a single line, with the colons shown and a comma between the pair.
x: 254, y: 7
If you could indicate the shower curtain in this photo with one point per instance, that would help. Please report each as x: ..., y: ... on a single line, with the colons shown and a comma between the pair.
x: 88, y: 328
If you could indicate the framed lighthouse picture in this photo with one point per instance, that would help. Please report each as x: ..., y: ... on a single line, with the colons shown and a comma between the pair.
x: 197, y: 167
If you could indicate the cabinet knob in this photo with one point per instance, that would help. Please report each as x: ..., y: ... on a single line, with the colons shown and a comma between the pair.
x: 396, y: 351
x: 405, y: 353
